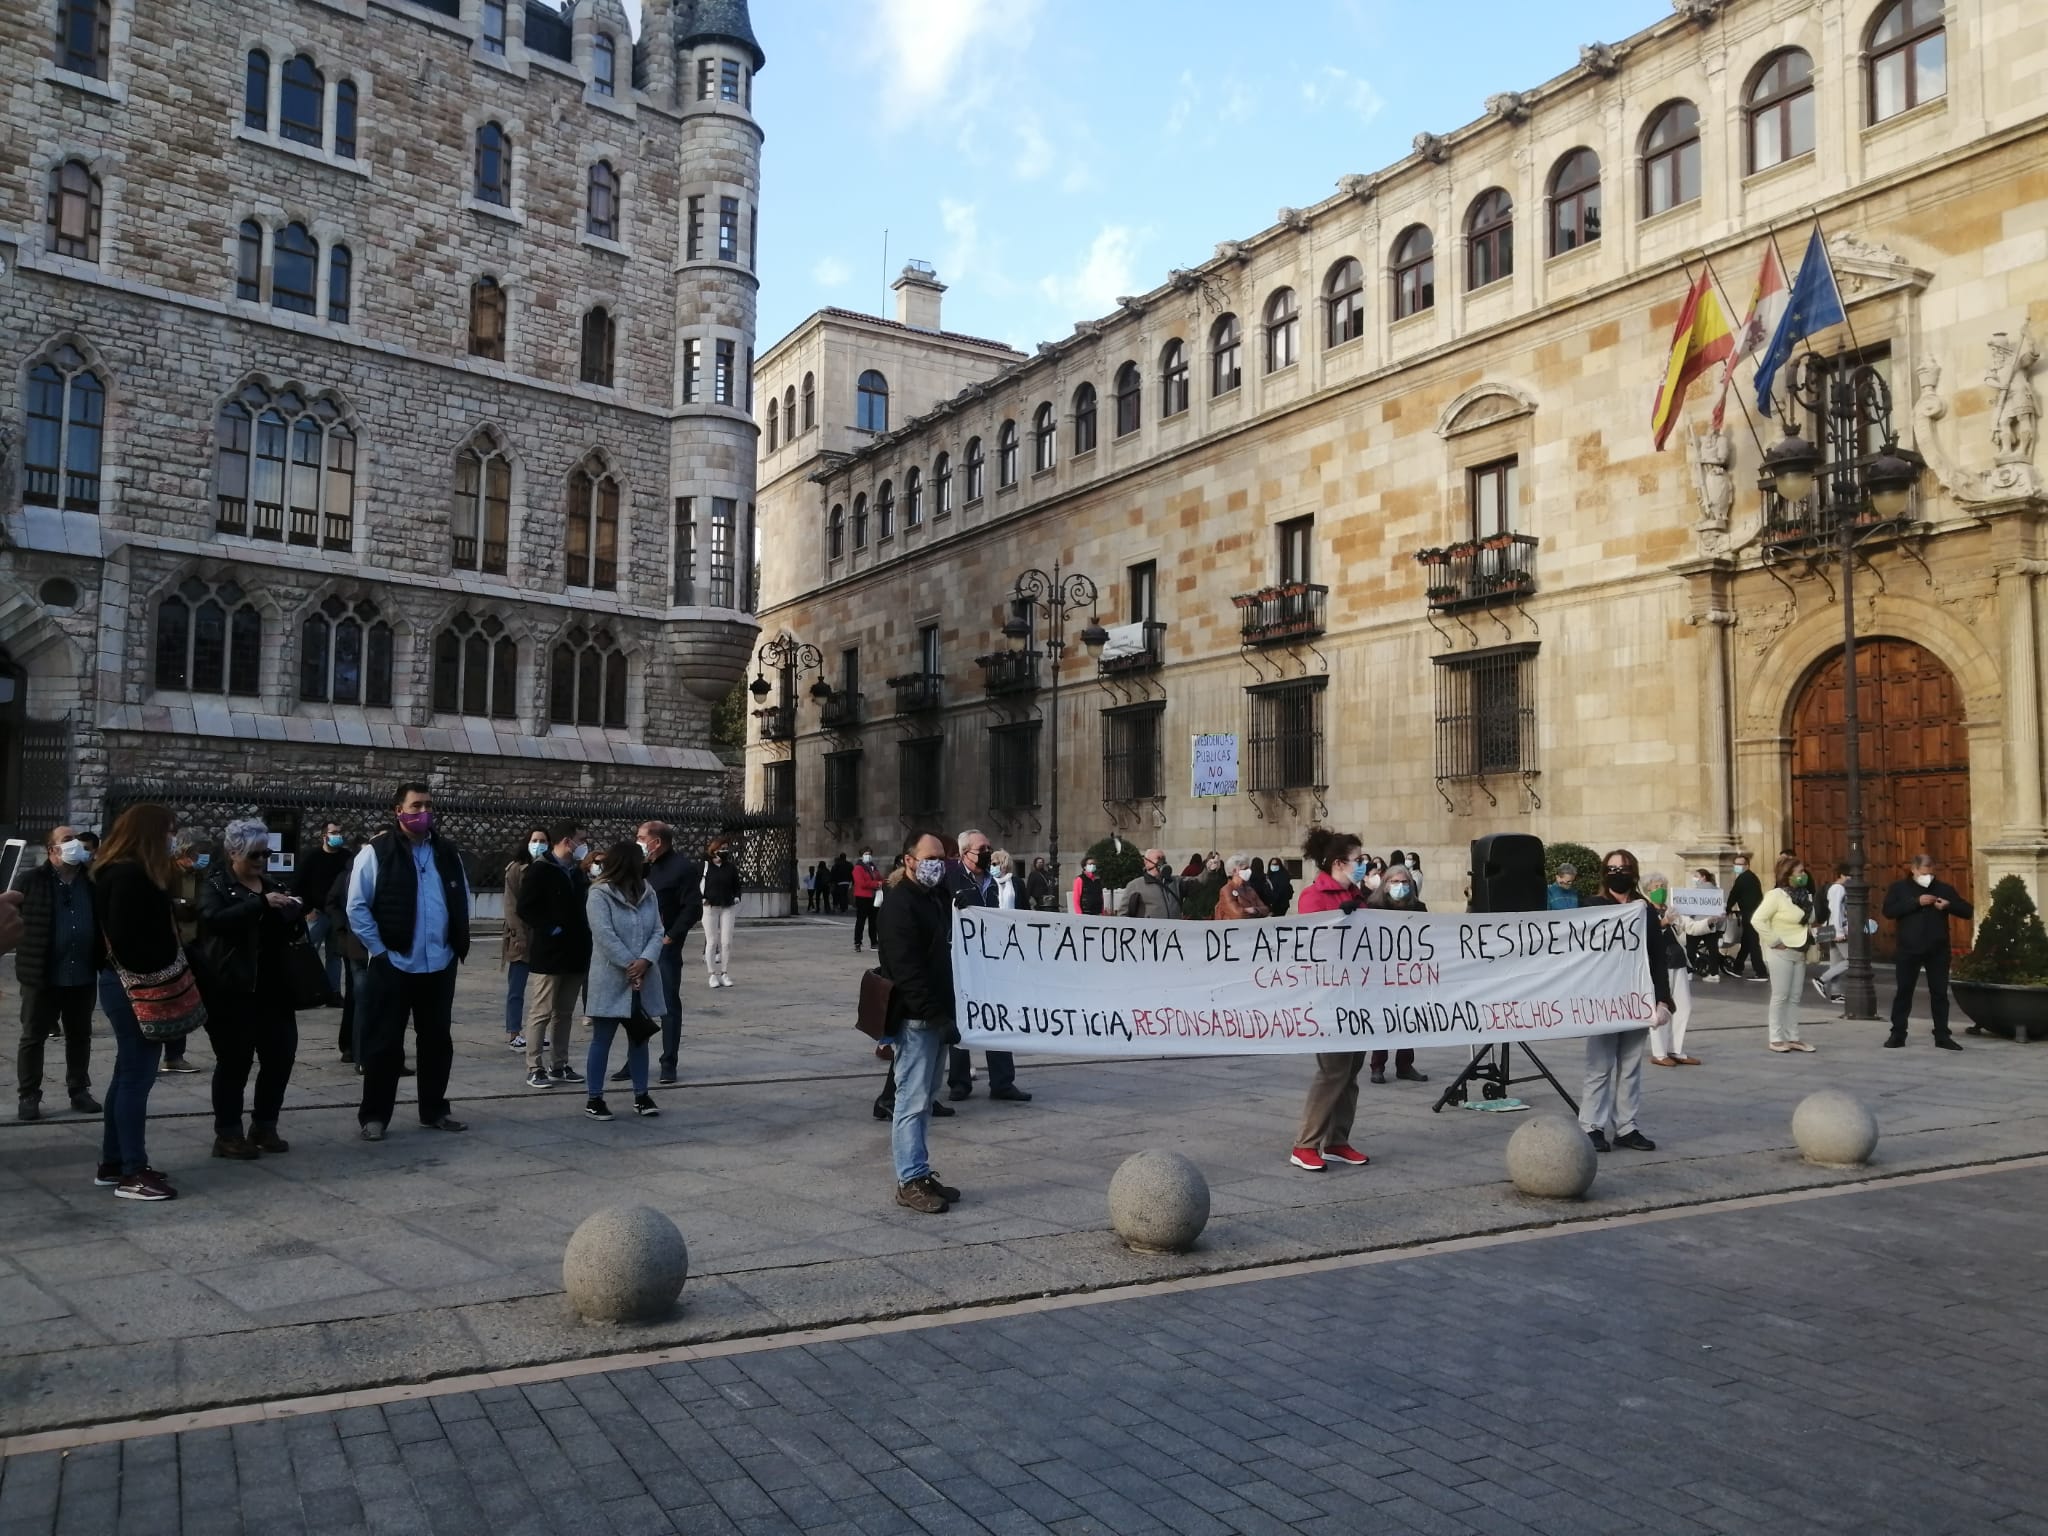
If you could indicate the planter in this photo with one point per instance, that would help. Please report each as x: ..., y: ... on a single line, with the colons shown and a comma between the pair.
x: 2016, y: 1012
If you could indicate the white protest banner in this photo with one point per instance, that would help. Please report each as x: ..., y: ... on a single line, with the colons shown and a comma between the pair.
x: 1215, y: 759
x: 1698, y: 901
x: 1040, y: 981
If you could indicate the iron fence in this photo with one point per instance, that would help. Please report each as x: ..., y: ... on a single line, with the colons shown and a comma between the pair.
x: 1486, y: 712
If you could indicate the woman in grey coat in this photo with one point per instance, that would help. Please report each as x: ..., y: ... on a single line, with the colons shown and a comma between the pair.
x: 624, y: 989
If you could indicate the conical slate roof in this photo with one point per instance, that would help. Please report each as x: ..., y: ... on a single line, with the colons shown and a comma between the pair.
x: 717, y: 21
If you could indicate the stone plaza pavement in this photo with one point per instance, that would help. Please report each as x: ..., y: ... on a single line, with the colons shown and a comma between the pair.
x: 1863, y: 1360
x: 344, y: 1265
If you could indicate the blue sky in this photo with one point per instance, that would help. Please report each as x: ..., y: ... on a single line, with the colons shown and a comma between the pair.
x: 1048, y: 155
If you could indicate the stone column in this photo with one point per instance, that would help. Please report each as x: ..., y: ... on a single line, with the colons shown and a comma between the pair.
x: 2022, y: 699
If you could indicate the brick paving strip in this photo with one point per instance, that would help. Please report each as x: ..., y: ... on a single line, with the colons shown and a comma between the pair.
x: 1783, y: 1364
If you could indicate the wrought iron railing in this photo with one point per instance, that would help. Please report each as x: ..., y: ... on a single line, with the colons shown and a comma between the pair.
x: 1151, y: 653
x: 841, y: 708
x: 1008, y: 672
x: 1499, y: 568
x: 778, y: 721
x: 1292, y: 611
x: 918, y: 692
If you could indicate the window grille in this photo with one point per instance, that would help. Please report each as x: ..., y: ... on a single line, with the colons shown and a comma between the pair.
x: 1486, y: 713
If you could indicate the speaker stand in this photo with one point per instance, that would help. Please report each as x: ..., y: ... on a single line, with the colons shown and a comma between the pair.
x: 1492, y: 1067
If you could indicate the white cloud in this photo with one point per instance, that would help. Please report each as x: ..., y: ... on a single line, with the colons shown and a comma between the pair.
x: 1187, y: 96
x: 831, y: 272
x: 922, y: 44
x: 1105, y: 273
x: 1339, y: 90
x: 962, y: 224
x: 1034, y: 149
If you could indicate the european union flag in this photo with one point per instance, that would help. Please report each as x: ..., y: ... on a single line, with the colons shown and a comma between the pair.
x: 1815, y: 304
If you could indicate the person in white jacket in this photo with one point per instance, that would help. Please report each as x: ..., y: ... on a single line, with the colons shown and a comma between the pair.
x: 624, y: 986
x: 1667, y: 1041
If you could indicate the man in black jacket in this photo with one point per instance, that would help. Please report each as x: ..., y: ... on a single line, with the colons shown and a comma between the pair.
x: 1745, y: 895
x: 914, y: 931
x: 57, y: 966
x: 551, y: 904
x: 971, y: 883
x: 311, y: 881
x: 675, y: 880
x: 1921, y: 905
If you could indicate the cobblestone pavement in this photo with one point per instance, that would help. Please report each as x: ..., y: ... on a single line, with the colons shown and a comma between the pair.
x: 1865, y: 1362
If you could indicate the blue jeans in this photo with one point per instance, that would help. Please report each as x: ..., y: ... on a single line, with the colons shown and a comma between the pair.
x: 319, y: 933
x: 515, y: 998
x: 598, y: 1062
x: 670, y: 966
x: 919, y: 1047
x: 135, y: 1067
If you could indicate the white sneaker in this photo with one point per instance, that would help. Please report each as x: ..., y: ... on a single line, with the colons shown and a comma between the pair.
x: 724, y: 980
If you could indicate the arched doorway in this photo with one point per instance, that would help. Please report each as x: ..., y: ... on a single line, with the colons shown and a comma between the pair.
x: 1915, y: 762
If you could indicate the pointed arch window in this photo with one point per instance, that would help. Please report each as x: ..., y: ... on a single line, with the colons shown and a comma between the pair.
x: 487, y: 319
x: 593, y: 527
x: 340, y: 270
x: 302, y: 103
x: 295, y: 270
x: 872, y: 404
x: 1226, y: 355
x: 256, y: 91
x: 1414, y: 272
x: 345, y: 119
x: 482, y: 515
x: 75, y: 211
x: 67, y: 415
x: 1283, y: 331
x: 1489, y: 239
x: 835, y: 532
x: 587, y: 680
x: 249, y: 262
x: 1908, y: 58
x: 476, y: 669
x: 860, y: 521
x: 604, y: 64
x: 1045, y: 438
x: 1671, y: 158
x: 602, y: 213
x: 774, y: 424
x: 493, y: 177
x: 285, y: 469
x: 1084, y: 419
x: 1006, y: 456
x: 1173, y: 378
x: 345, y: 655
x: 600, y: 337
x: 1575, y: 202
x: 942, y: 486
x: 913, y: 497
x: 789, y: 411
x: 209, y: 639
x: 1130, y: 399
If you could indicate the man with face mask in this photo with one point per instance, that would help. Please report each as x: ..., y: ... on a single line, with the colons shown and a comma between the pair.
x: 57, y: 966
x: 972, y: 883
x: 552, y: 903
x: 914, y: 932
x: 312, y: 879
x: 1156, y: 891
x: 1745, y: 895
x: 1921, y: 906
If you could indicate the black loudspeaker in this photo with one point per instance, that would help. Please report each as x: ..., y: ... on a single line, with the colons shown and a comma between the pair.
x: 1507, y: 873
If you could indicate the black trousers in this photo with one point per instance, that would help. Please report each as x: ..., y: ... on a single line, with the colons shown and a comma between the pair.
x: 345, y: 1036
x: 386, y: 1000
x: 1907, y: 969
x: 863, y: 918
x: 1751, y: 955
x: 42, y: 1010
x: 1002, y: 1068
x: 247, y: 1030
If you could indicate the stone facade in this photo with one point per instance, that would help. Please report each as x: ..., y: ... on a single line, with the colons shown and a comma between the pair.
x: 1627, y: 666
x: 488, y: 519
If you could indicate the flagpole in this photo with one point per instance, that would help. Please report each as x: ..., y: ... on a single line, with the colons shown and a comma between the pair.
x: 1728, y: 373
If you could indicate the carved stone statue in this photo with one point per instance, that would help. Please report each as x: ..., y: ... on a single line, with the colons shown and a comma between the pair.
x: 2016, y: 410
x: 1709, y: 452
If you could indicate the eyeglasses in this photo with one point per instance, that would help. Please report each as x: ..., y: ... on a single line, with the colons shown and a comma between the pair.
x: 1617, y: 869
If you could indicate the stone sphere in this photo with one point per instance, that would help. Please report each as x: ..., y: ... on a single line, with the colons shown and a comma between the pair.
x: 1551, y: 1157
x: 625, y: 1264
x: 1158, y: 1202
x: 1834, y: 1129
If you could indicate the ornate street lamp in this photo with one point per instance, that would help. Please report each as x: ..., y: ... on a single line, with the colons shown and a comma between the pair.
x: 1821, y: 503
x: 1052, y: 596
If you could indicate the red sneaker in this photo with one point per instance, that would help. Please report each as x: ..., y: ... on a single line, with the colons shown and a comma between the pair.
x: 1344, y: 1152
x: 1307, y: 1157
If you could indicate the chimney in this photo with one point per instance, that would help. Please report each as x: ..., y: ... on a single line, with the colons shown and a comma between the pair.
x: 917, y: 296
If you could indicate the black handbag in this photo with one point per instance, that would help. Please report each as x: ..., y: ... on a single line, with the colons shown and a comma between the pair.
x: 640, y: 1024
x: 307, y: 976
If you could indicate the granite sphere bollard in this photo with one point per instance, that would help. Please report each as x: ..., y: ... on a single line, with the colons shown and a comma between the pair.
x: 625, y: 1264
x: 1158, y: 1202
x: 1834, y: 1129
x: 1552, y: 1158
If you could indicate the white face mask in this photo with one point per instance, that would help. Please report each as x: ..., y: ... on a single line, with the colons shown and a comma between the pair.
x: 645, y: 851
x: 72, y: 851
x: 1923, y: 881
x: 1087, y: 869
x: 597, y: 871
x: 582, y: 852
x: 1740, y: 866
x: 537, y: 850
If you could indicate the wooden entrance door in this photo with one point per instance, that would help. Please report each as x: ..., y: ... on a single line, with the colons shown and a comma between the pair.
x: 1915, y: 762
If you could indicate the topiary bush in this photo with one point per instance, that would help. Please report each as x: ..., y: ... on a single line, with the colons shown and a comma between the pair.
x: 1581, y: 858
x: 1117, y: 861
x: 2011, y: 948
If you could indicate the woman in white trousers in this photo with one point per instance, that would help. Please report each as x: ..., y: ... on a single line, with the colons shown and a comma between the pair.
x: 720, y: 889
x: 1783, y: 923
x: 1667, y: 1041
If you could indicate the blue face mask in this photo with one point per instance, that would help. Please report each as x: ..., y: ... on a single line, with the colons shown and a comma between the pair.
x: 335, y: 840
x: 537, y: 850
x: 200, y: 861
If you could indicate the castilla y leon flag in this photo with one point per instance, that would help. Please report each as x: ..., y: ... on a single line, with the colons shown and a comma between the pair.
x: 1701, y: 339
x: 1767, y: 302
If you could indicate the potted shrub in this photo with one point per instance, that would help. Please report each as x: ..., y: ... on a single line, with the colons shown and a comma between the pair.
x: 2002, y: 983
x: 1433, y: 556
x: 1445, y: 594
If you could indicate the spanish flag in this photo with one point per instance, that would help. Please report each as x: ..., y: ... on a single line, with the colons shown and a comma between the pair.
x: 1702, y: 339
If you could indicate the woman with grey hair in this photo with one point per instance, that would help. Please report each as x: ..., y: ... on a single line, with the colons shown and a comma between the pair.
x: 1239, y: 899
x: 246, y: 926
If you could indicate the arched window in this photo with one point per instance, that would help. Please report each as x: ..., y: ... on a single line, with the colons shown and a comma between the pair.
x: 1045, y: 438
x: 303, y: 103
x: 340, y: 267
x: 1283, y: 331
x: 1006, y: 456
x: 942, y: 485
x: 587, y: 680
x: 976, y: 471
x: 774, y: 424
x: 67, y: 415
x: 1908, y: 56
x: 482, y: 520
x: 345, y: 119
x: 1414, y: 272
x: 600, y: 335
x: 860, y: 521
x: 1226, y: 355
x: 83, y: 29
x: 810, y: 402
x: 256, y: 91
x: 493, y: 165
x: 1489, y: 239
x: 872, y: 411
x: 1173, y: 378
x: 487, y: 319
x: 1130, y: 399
x: 285, y: 468
x: 1779, y: 110
x: 1344, y: 301
x: 604, y: 64
x: 476, y: 669
x: 835, y: 532
x: 913, y: 497
x: 249, y: 262
x: 592, y: 546
x: 1671, y: 158
x: 209, y: 639
x: 1575, y: 202
x: 295, y: 271
x: 885, y: 511
x: 601, y: 215
x: 345, y: 653
x: 1084, y: 419
x: 75, y: 211
x: 789, y: 411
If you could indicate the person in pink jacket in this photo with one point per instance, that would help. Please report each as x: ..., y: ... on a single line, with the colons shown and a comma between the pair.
x: 1325, y: 1135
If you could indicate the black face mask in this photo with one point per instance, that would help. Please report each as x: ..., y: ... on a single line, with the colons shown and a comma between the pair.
x: 1620, y: 881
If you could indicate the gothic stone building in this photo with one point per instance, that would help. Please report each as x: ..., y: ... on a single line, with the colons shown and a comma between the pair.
x: 375, y: 396
x: 1373, y: 491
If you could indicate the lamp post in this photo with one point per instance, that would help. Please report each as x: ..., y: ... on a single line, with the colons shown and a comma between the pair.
x: 790, y: 659
x: 1052, y: 595
x: 1851, y: 496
